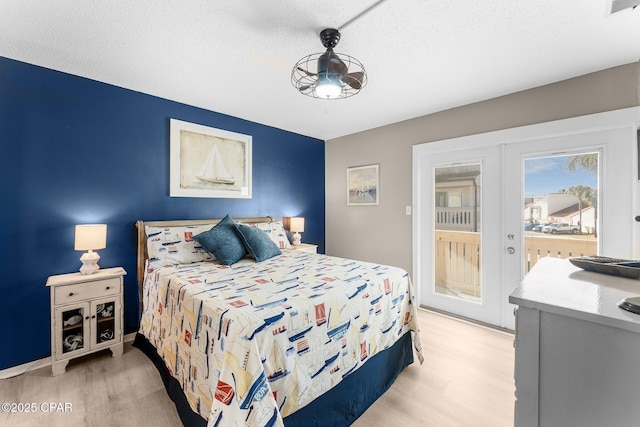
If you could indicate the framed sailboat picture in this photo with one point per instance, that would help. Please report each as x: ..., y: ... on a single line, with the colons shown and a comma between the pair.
x: 363, y: 183
x: 208, y: 162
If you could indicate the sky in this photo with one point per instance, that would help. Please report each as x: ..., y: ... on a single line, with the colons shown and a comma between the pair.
x: 548, y: 175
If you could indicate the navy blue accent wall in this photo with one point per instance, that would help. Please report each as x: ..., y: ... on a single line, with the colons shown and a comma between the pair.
x: 73, y: 150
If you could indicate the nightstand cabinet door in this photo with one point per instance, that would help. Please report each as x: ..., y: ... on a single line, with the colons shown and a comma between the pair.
x: 71, y: 325
x: 105, y: 322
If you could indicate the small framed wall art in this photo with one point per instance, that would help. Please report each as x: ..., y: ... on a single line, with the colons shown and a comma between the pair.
x: 363, y: 185
x: 208, y: 162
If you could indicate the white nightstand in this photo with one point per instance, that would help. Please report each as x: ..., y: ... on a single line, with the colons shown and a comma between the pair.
x: 306, y: 247
x: 86, y: 315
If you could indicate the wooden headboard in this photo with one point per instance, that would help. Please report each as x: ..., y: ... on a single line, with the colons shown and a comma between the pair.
x: 142, y: 238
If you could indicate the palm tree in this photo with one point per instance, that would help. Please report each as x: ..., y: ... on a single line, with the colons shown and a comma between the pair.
x: 586, y: 195
x: 587, y: 162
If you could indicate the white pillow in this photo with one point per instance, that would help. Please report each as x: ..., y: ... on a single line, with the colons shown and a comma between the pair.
x: 175, y: 245
x: 276, y: 232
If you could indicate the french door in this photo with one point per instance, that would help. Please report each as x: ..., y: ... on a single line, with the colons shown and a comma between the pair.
x: 462, y: 213
x: 474, y: 208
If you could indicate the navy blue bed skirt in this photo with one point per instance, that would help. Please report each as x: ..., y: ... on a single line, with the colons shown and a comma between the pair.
x: 339, y: 407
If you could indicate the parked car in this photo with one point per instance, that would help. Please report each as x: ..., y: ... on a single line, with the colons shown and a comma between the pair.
x: 562, y: 227
x: 528, y: 225
x: 538, y: 227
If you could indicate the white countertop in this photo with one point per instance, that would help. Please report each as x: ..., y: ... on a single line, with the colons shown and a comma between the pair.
x: 555, y: 285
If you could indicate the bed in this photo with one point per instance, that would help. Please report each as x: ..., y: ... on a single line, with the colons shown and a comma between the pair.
x: 293, y: 338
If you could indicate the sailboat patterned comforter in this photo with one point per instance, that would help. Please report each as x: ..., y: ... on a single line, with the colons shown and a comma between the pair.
x: 252, y: 343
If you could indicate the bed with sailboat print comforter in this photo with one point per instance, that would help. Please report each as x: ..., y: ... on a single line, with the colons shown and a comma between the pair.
x: 253, y: 343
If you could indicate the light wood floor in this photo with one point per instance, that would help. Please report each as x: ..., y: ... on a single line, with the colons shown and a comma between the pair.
x: 466, y: 380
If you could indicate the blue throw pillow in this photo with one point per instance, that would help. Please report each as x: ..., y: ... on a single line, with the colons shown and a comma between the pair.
x: 257, y: 242
x: 223, y: 242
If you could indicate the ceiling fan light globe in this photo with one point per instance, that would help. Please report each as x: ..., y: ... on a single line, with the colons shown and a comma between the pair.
x: 328, y: 90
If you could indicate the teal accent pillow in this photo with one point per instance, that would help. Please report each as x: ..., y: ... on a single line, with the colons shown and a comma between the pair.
x: 257, y: 242
x: 223, y: 242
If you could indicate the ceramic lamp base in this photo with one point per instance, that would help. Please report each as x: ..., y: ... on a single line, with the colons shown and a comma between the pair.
x: 89, y: 262
x: 297, y: 240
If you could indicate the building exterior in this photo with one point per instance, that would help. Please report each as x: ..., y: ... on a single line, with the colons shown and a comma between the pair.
x: 561, y: 207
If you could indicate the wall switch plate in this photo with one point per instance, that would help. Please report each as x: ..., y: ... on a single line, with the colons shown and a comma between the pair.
x: 407, y: 210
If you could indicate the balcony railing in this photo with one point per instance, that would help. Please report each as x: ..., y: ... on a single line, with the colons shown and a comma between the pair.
x: 458, y: 257
x: 458, y: 261
x: 462, y: 219
x: 560, y: 247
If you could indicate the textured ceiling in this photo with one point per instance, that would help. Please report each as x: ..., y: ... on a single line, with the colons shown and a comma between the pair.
x: 235, y: 57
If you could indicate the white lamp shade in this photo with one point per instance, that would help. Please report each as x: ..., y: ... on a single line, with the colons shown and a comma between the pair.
x: 296, y: 224
x: 90, y: 237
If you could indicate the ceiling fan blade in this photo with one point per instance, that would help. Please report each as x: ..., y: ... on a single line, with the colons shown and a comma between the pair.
x: 330, y: 64
x: 308, y: 73
x: 354, y: 79
x: 336, y: 66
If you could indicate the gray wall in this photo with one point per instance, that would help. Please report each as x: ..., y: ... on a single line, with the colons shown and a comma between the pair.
x: 383, y: 233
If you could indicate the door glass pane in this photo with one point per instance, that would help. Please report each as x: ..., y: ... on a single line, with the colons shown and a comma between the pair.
x: 72, y: 329
x: 560, y: 207
x: 105, y: 322
x: 457, y: 231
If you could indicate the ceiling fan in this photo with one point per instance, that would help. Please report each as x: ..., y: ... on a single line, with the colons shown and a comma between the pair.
x: 329, y: 75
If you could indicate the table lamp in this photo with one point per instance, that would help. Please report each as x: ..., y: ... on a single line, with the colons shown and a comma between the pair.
x: 296, y: 225
x: 90, y: 237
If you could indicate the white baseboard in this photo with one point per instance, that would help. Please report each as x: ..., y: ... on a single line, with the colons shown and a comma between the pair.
x: 14, y: 371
